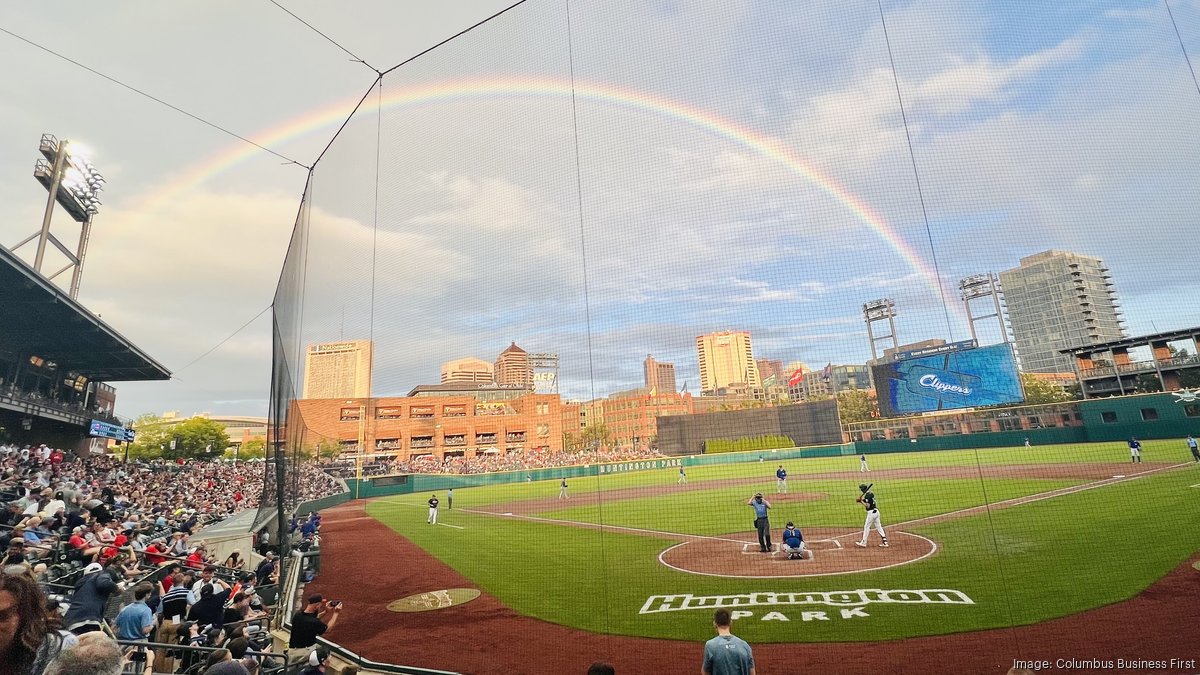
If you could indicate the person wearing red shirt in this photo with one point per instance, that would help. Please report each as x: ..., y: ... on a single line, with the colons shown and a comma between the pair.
x: 155, y: 553
x: 195, y: 559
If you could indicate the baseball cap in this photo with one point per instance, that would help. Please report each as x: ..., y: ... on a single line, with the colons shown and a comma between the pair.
x: 790, y: 524
x: 317, y: 656
x: 93, y: 567
x: 757, y: 494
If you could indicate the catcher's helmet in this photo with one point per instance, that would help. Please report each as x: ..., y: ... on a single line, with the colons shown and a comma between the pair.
x: 862, y: 487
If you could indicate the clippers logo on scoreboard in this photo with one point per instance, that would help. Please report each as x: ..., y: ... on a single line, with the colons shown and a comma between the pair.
x: 965, y: 378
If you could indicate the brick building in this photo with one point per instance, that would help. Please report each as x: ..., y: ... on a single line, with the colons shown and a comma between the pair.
x: 441, y: 426
x: 632, y: 416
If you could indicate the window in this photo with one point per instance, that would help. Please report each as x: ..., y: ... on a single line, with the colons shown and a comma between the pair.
x: 1149, y: 414
x: 1108, y: 417
x: 1192, y: 410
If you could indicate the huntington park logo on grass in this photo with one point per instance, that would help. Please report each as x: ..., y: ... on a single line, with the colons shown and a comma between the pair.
x: 850, y: 604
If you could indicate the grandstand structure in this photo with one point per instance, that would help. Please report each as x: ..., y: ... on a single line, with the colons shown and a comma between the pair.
x: 57, y: 360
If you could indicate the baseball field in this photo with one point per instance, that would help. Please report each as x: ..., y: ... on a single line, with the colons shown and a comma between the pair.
x: 1069, y: 528
x: 980, y: 539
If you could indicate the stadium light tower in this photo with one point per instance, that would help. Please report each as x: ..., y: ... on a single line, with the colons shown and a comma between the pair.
x: 979, y: 286
x: 883, y: 309
x: 74, y: 184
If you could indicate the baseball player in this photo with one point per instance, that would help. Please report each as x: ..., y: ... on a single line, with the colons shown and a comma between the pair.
x: 450, y: 499
x: 1192, y: 445
x: 1135, y: 451
x: 433, y: 504
x: 682, y: 475
x: 562, y: 490
x: 761, y: 523
x: 781, y: 480
x: 793, y: 542
x: 867, y: 499
x: 862, y: 463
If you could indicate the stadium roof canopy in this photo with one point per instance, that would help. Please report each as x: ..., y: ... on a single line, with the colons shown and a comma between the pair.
x: 38, y: 318
x: 1136, y: 341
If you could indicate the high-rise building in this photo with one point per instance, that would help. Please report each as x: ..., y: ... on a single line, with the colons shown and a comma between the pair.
x: 726, y: 358
x: 1057, y: 300
x: 660, y: 377
x: 469, y: 369
x: 768, y: 369
x: 338, y: 370
x: 513, y: 368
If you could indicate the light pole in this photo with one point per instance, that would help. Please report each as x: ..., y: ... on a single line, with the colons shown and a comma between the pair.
x: 73, y: 183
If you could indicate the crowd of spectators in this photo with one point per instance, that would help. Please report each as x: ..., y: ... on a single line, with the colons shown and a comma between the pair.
x: 82, y: 537
x: 489, y: 463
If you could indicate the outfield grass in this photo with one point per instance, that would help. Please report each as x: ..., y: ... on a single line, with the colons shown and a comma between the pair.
x: 1023, y: 564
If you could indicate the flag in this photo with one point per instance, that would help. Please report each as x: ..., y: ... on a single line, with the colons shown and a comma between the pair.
x: 827, y: 374
x: 796, y: 377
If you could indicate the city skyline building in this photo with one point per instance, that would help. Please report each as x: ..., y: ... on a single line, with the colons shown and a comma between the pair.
x: 770, y: 368
x: 512, y: 368
x: 1057, y: 300
x: 726, y: 358
x: 338, y: 369
x: 467, y: 369
x: 658, y: 376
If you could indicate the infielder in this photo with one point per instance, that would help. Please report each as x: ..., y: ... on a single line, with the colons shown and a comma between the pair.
x: 761, y: 523
x: 781, y: 480
x: 1192, y: 445
x: 450, y: 499
x: 793, y: 542
x: 862, y: 463
x: 562, y: 490
x: 1135, y: 451
x: 433, y: 504
x: 867, y: 499
x: 682, y: 475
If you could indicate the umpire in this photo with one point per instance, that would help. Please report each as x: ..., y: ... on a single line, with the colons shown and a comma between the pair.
x: 761, y: 522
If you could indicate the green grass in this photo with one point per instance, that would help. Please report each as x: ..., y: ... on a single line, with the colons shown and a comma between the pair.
x: 1020, y: 565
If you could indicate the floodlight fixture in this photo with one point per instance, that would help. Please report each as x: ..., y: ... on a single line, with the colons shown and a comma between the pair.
x: 73, y: 183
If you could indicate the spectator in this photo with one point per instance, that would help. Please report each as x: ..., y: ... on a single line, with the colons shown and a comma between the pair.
x: 135, y: 620
x: 317, y: 662
x: 235, y: 561
x: 177, y: 600
x: 221, y: 662
x: 28, y: 640
x: 308, y: 624
x: 91, y: 595
x: 210, y: 608
x: 726, y: 654
x: 95, y: 655
x: 266, y: 570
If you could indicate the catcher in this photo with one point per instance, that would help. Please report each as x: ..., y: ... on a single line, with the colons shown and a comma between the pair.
x: 867, y: 499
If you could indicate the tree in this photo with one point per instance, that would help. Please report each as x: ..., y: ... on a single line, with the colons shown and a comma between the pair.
x: 197, y: 437
x: 1039, y: 391
x: 596, y: 436
x: 255, y: 448
x: 856, y: 405
x: 572, y: 442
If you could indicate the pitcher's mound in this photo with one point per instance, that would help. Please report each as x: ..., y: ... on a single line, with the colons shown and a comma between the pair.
x: 831, y: 551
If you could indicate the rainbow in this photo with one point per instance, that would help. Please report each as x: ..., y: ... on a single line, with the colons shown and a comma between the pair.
x: 449, y: 90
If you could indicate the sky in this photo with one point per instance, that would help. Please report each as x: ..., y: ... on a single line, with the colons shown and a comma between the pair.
x: 659, y: 170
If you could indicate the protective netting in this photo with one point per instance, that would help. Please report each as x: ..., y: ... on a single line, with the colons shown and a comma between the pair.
x: 602, y: 181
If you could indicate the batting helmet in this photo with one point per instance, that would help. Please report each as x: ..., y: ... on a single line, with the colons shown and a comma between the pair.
x: 862, y: 487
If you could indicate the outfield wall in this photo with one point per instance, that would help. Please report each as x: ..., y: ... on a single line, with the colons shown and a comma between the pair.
x: 1145, y: 416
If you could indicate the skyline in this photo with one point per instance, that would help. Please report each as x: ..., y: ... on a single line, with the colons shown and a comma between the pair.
x: 1080, y: 115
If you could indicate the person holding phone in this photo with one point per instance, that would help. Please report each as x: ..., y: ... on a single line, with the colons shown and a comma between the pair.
x: 317, y: 617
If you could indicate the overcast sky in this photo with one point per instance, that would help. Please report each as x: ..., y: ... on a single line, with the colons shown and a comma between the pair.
x: 713, y: 173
